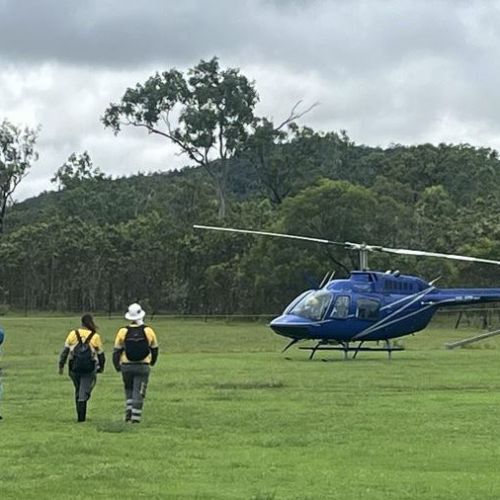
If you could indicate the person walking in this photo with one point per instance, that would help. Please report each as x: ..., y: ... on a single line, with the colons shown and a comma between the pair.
x: 135, y: 351
x: 84, y: 348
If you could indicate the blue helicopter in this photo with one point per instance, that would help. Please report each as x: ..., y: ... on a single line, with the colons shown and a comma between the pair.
x: 369, y: 305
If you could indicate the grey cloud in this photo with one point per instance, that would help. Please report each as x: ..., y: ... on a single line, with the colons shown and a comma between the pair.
x: 338, y: 35
x: 386, y: 71
x: 116, y: 33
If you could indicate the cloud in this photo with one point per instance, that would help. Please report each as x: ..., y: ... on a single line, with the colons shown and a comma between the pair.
x: 67, y: 102
x: 335, y: 35
x: 387, y: 72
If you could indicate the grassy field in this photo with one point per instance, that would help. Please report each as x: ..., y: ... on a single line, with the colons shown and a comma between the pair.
x: 229, y: 417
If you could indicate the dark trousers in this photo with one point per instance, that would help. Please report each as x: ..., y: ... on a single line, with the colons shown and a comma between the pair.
x: 135, y: 380
x: 84, y: 383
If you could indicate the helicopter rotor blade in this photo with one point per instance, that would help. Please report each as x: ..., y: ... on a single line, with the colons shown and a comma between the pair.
x: 266, y: 233
x: 420, y: 253
x: 361, y: 247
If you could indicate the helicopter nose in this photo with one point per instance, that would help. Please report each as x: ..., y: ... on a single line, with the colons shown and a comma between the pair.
x: 291, y: 326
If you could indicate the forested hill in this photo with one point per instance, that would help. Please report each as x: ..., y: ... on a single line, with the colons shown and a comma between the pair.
x: 99, y: 244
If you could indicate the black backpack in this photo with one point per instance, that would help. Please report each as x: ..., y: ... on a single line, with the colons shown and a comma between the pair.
x: 83, y: 356
x: 136, y: 343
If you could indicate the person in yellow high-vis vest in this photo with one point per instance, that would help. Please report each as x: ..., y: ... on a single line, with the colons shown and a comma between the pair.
x: 135, y: 351
x: 84, y: 349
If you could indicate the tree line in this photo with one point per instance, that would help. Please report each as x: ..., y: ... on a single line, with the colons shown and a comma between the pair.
x: 99, y: 243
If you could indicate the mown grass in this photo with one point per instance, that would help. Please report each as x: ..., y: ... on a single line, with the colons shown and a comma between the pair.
x: 229, y: 417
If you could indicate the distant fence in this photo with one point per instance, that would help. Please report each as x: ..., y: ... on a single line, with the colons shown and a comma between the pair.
x: 203, y: 317
x: 478, y: 317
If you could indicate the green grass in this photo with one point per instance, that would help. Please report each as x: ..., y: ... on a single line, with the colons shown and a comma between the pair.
x: 229, y: 417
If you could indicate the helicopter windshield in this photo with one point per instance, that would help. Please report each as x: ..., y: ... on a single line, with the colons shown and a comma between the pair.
x: 312, y: 306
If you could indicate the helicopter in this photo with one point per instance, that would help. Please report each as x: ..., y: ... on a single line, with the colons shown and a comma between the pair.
x: 368, y: 306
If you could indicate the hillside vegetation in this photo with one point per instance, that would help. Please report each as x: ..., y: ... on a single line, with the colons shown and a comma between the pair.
x: 98, y: 243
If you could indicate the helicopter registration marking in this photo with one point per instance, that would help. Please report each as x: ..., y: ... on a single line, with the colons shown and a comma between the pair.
x: 466, y: 298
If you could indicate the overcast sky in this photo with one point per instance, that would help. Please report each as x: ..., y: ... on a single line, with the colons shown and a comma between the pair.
x: 401, y: 71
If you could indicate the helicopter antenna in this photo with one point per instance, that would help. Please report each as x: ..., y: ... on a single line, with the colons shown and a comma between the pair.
x: 324, y: 281
x: 431, y: 283
x: 328, y: 277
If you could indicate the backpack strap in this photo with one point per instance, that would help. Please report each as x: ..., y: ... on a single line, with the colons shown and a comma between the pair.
x: 78, y: 336
x: 142, y: 327
x: 89, y: 338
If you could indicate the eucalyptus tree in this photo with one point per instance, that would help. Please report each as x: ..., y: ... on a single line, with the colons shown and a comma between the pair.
x: 286, y: 158
x: 206, y: 113
x: 77, y: 168
x: 277, y: 270
x: 17, y: 152
x: 264, y: 151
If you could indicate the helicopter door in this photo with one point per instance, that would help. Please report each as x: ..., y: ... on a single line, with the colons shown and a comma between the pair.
x: 341, y: 307
x: 367, y: 309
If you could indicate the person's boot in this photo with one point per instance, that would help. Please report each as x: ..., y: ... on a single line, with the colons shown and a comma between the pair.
x: 128, y: 410
x: 81, y: 408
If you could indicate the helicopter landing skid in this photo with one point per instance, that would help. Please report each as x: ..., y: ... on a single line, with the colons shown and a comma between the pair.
x: 346, y: 348
x: 294, y: 341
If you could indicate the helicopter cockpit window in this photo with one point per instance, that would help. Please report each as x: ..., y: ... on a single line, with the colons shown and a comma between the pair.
x: 367, y: 309
x: 312, y: 306
x: 341, y: 308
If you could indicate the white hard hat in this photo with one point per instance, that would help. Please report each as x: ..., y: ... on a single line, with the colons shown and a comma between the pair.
x: 135, y: 312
